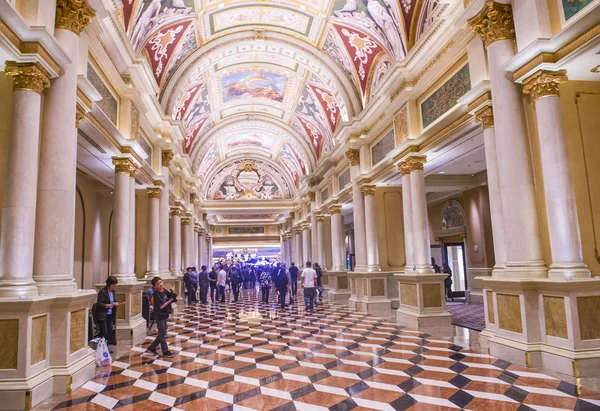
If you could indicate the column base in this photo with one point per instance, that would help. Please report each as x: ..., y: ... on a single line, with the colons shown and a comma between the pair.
x: 545, y: 323
x: 566, y: 271
x: 373, y: 268
x: 56, y: 287
x: 369, y: 293
x: 339, y: 287
x: 8, y: 290
x: 525, y: 269
x: 423, y: 303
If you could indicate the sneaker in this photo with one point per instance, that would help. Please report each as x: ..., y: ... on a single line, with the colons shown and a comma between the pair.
x: 168, y: 354
x: 150, y: 353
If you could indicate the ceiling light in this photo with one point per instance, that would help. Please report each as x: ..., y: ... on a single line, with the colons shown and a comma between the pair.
x: 442, y: 172
x: 302, y: 7
x: 221, y: 5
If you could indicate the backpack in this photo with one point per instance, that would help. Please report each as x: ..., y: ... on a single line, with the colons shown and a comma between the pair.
x: 234, y: 276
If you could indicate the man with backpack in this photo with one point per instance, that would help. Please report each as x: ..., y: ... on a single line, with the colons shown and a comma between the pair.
x: 281, y: 283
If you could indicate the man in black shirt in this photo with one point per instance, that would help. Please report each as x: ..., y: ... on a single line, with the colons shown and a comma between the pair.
x: 212, y: 278
x: 161, y: 301
x: 236, y: 278
x: 294, y: 279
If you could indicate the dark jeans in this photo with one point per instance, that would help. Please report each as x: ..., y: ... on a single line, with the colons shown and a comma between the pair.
x: 221, y: 293
x: 191, y: 290
x: 265, y: 293
x: 309, y: 294
x: 294, y: 282
x: 449, y: 293
x: 213, y: 292
x: 235, y: 286
x: 161, y: 338
x: 106, y: 330
x: 203, y: 293
x: 282, y: 291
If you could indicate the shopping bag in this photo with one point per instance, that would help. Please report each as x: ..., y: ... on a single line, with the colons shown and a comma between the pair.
x: 288, y: 299
x: 103, y: 357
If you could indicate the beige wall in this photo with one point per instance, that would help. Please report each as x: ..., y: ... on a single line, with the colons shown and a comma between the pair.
x: 478, y: 227
x: 390, y: 228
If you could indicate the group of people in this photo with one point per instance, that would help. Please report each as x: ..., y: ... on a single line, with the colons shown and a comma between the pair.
x: 285, y: 282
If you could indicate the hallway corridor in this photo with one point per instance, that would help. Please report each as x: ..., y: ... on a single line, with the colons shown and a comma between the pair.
x: 253, y: 356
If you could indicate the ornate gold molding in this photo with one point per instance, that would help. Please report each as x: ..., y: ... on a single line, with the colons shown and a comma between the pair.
x: 27, y: 76
x: 174, y: 211
x: 311, y: 196
x: 335, y: 209
x: 193, y: 197
x: 167, y: 156
x: 544, y: 83
x: 133, y: 171
x: 353, y: 156
x: 185, y: 220
x: 153, y: 192
x: 403, y: 168
x: 73, y: 15
x: 494, y: 22
x: 79, y: 115
x: 304, y: 227
x: 485, y: 116
x: 415, y: 163
x: 123, y: 165
x: 320, y: 218
x: 595, y: 70
x: 368, y: 190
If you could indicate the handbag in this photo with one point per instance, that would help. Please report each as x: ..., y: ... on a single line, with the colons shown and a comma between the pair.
x: 103, y: 357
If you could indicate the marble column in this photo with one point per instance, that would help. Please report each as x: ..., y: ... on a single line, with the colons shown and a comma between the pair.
x: 420, y: 220
x: 298, y: 252
x: 202, y: 248
x: 131, y: 264
x: 175, y: 246
x: 55, y: 219
x: 494, y: 24
x: 120, y: 248
x: 17, y: 232
x: 282, y: 247
x: 561, y: 207
x: 358, y: 204
x: 485, y: 116
x: 314, y: 238
x: 306, y: 246
x: 337, y: 238
x: 153, y: 256
x: 321, y: 256
x: 407, y: 214
x: 186, y: 237
x: 371, y: 229
x: 164, y: 224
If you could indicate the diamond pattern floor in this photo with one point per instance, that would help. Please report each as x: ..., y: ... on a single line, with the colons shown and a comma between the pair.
x: 253, y: 356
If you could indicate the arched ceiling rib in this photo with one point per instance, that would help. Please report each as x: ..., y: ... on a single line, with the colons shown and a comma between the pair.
x: 307, y: 65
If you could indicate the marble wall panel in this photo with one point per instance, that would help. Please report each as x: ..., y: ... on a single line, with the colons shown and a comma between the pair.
x: 136, y: 304
x: 588, y: 309
x: 555, y: 316
x: 9, y: 344
x: 432, y: 295
x: 378, y: 287
x: 78, y: 331
x: 408, y: 294
x: 38, y: 339
x: 342, y: 283
x: 509, y: 312
x: 490, y: 307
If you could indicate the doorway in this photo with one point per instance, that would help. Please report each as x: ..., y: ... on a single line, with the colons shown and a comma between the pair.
x: 454, y: 257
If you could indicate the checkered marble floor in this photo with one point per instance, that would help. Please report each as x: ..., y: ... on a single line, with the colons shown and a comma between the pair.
x: 254, y: 356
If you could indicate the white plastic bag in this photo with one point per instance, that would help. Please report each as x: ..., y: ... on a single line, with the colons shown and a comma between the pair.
x: 103, y: 357
x: 288, y: 299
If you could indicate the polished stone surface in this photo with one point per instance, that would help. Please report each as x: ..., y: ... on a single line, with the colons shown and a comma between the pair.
x: 254, y: 356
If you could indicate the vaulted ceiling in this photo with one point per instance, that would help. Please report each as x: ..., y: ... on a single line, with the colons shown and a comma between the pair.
x: 268, y: 81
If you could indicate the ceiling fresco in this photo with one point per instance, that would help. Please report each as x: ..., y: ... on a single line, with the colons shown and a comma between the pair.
x: 307, y: 65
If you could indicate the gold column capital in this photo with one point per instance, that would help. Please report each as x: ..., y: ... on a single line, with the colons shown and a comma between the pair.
x: 79, y: 115
x: 485, y: 116
x: 304, y: 227
x: 175, y: 212
x: 368, y: 190
x: 335, y: 209
x: 545, y: 83
x: 320, y: 218
x: 153, y: 192
x: 353, y: 156
x: 124, y: 165
x: 193, y: 197
x: 73, y: 15
x: 133, y: 171
x: 27, y: 76
x: 185, y: 220
x: 167, y: 156
x: 415, y: 163
x: 403, y: 168
x: 311, y: 196
x: 494, y: 22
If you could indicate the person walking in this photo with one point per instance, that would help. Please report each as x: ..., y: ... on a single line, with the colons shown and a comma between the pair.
x: 281, y: 283
x: 195, y: 283
x: 448, y: 281
x: 265, y: 285
x: 294, y: 278
x: 188, y: 281
x: 221, y: 283
x: 319, y: 272
x: 106, y: 311
x: 203, y: 283
x: 235, y: 276
x: 212, y: 278
x: 309, y: 282
x: 161, y: 301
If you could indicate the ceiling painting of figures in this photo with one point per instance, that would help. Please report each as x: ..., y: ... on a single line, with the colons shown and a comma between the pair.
x: 308, y: 65
x: 248, y: 180
x: 249, y: 85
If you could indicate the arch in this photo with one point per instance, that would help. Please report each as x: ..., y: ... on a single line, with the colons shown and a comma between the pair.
x: 452, y: 215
